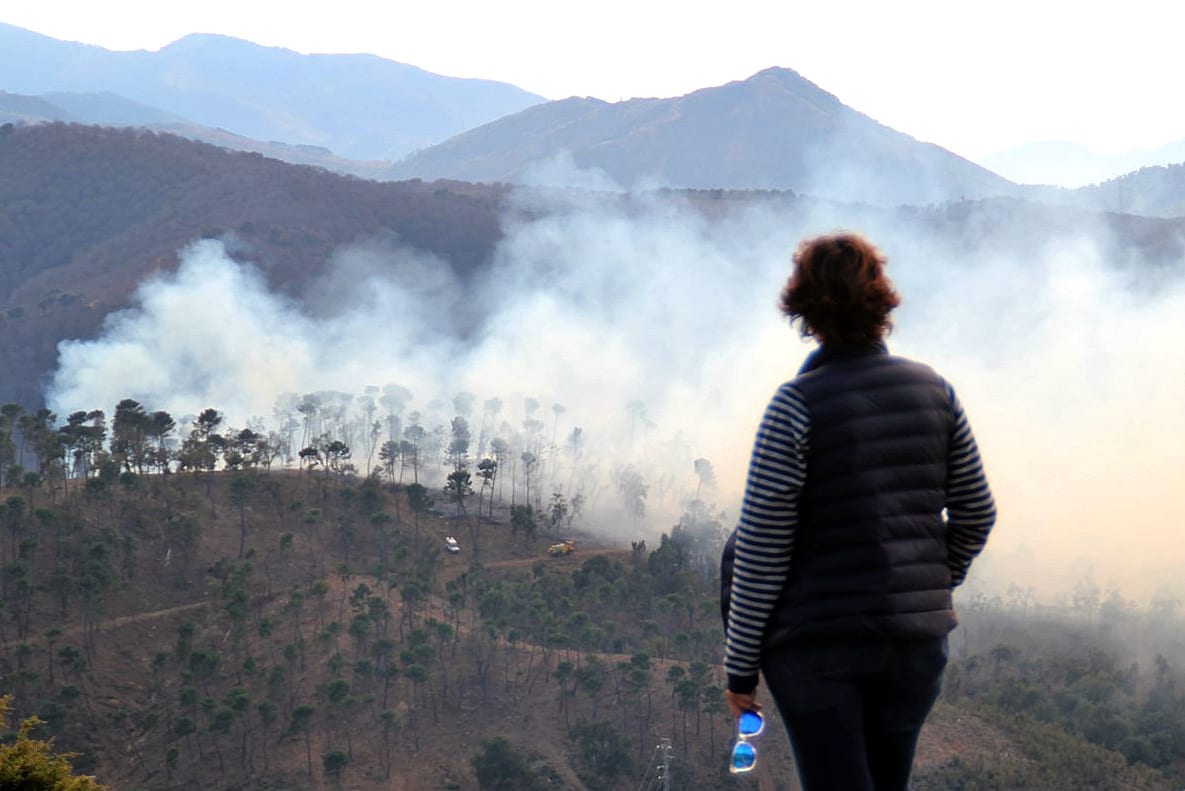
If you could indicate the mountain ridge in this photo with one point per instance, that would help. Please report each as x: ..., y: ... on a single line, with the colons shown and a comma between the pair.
x: 359, y: 106
x: 774, y: 130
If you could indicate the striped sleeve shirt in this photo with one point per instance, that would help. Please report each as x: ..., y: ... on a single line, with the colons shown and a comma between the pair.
x: 769, y: 516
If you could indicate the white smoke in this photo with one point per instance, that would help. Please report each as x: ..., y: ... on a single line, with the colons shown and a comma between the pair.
x: 596, y: 300
x: 210, y: 334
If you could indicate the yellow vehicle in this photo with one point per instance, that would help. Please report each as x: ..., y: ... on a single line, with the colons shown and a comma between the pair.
x: 561, y: 549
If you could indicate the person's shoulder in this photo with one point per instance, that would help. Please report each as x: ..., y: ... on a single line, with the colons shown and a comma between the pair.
x: 924, y: 374
x: 917, y: 367
x: 787, y: 400
x: 790, y: 390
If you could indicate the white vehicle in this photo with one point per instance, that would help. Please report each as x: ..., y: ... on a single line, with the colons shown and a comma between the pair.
x: 451, y: 545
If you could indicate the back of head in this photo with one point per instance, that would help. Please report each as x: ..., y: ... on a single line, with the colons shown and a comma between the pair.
x: 838, y: 291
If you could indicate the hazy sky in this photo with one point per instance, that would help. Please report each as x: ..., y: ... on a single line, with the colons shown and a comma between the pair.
x: 974, y: 77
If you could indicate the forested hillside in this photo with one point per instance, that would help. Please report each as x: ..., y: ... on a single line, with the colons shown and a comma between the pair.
x: 227, y: 618
x: 1152, y: 191
x: 192, y: 606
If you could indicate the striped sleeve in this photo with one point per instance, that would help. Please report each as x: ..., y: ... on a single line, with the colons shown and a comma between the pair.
x: 765, y: 531
x: 970, y: 508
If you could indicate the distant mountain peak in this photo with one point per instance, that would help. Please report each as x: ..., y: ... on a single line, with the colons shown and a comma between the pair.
x: 795, y: 84
x: 774, y: 130
x: 782, y: 74
x: 201, y: 42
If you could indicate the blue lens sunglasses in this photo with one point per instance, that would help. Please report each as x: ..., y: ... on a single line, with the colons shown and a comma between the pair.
x: 744, y: 754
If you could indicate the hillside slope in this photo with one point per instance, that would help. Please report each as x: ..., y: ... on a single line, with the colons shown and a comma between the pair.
x: 86, y: 213
x: 1151, y: 191
x: 109, y: 109
x: 340, y: 646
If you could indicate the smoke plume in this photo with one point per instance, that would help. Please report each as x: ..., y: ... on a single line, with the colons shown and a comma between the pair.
x: 652, y: 325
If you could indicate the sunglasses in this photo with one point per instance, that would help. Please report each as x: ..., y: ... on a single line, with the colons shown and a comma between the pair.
x: 744, y: 754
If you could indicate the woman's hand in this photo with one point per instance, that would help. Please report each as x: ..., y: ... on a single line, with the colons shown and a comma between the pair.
x: 741, y: 701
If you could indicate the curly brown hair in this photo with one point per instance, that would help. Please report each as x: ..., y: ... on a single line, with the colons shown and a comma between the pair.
x: 838, y: 292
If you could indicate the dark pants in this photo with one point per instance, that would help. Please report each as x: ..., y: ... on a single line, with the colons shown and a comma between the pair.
x: 854, y: 710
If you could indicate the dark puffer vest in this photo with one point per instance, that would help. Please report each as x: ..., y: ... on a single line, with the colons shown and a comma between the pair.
x: 870, y: 554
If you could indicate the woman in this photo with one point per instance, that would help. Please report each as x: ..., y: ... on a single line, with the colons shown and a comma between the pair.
x: 865, y: 503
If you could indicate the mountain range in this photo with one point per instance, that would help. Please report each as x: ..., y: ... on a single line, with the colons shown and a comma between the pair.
x: 359, y: 106
x: 358, y: 114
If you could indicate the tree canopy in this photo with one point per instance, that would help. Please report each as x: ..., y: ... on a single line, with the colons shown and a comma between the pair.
x: 32, y: 765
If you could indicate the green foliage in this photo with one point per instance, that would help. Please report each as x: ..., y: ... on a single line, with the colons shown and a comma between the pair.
x: 1084, y: 693
x: 609, y: 606
x: 457, y: 487
x: 30, y: 764
x: 334, y: 763
x: 501, y: 767
x: 1051, y: 759
x: 604, y: 753
x: 302, y: 717
x: 418, y: 499
x: 522, y: 520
